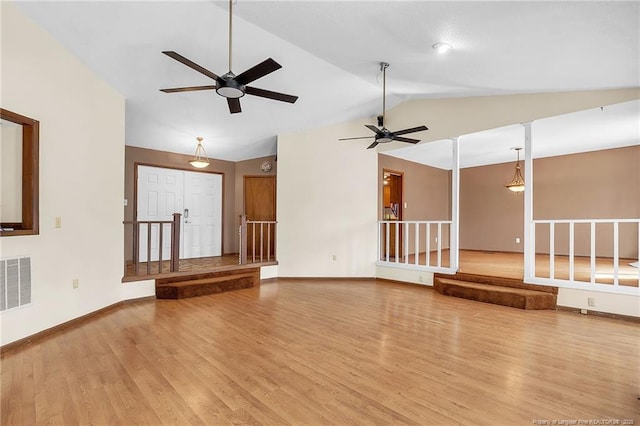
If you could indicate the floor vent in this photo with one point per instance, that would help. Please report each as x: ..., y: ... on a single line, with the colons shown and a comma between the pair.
x: 15, y: 282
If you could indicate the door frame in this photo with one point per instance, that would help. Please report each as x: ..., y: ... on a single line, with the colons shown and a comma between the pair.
x: 184, y: 169
x: 397, y: 251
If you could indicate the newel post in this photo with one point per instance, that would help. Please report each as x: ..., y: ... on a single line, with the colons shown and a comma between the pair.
x: 175, y: 243
x: 243, y: 240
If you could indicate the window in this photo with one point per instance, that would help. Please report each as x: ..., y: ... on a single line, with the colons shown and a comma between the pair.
x: 19, y: 156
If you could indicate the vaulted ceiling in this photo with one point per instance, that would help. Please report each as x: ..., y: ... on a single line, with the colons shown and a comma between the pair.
x: 330, y: 51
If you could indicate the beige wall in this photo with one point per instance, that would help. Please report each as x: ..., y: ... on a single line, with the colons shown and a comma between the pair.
x: 150, y: 157
x: 425, y: 189
x: 81, y: 179
x: 592, y: 185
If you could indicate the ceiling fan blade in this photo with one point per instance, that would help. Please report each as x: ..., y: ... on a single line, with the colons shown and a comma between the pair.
x: 270, y: 95
x: 234, y: 105
x: 373, y: 129
x: 187, y: 89
x: 408, y: 140
x: 373, y: 145
x: 411, y: 130
x: 263, y: 68
x: 361, y: 137
x: 178, y: 57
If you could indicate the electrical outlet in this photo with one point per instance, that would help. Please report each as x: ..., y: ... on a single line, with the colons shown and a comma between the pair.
x: 518, y: 240
x: 591, y: 301
x: 436, y: 240
x: 583, y: 311
x: 76, y: 283
x: 58, y: 222
x: 335, y: 257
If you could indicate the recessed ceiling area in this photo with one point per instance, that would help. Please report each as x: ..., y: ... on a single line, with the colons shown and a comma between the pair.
x: 613, y: 126
x: 329, y: 52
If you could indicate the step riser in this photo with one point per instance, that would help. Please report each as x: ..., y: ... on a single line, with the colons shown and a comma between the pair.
x: 505, y: 298
x: 498, y: 281
x: 204, y: 284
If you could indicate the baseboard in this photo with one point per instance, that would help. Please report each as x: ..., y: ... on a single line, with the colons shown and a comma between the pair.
x: 598, y: 314
x: 325, y: 278
x: 61, y: 327
x: 387, y: 280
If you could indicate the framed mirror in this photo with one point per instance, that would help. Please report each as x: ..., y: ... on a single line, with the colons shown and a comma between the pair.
x: 19, y: 160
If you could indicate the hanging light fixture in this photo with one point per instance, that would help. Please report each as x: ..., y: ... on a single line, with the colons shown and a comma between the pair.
x: 200, y: 159
x: 517, y: 183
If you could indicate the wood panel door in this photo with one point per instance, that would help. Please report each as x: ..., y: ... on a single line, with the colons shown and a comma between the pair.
x: 260, y: 204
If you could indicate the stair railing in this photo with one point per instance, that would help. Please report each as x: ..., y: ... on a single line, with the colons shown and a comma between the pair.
x: 257, y: 241
x: 148, y: 225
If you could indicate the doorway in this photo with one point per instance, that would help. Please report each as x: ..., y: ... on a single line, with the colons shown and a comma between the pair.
x: 392, y: 211
x: 260, y: 205
x: 161, y: 192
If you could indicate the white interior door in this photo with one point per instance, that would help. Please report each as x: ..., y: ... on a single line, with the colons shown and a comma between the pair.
x: 203, y: 215
x: 197, y: 196
x: 160, y: 194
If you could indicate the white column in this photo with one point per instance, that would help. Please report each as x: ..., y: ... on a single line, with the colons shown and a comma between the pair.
x: 529, y: 235
x: 455, y: 206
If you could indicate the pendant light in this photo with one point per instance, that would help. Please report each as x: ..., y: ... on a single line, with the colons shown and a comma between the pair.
x: 517, y: 183
x: 200, y: 159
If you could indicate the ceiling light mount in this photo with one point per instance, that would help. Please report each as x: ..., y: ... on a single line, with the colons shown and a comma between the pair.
x: 517, y: 183
x: 200, y: 159
x: 442, y: 48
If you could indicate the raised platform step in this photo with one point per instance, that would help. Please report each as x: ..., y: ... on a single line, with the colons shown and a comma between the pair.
x: 514, y: 297
x: 193, y: 285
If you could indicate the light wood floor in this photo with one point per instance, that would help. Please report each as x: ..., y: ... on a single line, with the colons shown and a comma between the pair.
x: 326, y: 352
x: 511, y: 265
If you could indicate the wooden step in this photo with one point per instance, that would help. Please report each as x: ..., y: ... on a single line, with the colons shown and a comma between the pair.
x: 499, y: 295
x: 499, y: 281
x: 201, y: 284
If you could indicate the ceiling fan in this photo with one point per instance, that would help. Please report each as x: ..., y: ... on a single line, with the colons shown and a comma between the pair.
x: 383, y: 135
x: 229, y: 85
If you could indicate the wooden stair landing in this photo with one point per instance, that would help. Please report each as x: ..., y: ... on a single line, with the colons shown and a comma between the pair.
x: 193, y: 285
x: 496, y: 290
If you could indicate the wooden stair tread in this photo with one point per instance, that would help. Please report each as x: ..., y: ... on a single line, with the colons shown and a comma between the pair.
x: 484, y: 291
x: 193, y: 285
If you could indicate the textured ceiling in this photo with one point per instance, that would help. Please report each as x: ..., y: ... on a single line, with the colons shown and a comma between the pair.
x: 330, y: 53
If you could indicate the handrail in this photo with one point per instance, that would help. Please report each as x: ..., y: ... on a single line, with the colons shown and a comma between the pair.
x: 174, y: 254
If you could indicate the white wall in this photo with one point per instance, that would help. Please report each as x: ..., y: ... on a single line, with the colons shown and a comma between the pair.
x: 327, y: 203
x: 81, y: 179
x: 604, y: 302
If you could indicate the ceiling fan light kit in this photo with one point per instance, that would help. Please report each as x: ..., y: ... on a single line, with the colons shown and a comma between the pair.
x: 232, y: 86
x: 442, y: 48
x: 384, y: 135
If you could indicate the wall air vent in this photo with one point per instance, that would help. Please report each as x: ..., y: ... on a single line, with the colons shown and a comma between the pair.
x: 15, y: 282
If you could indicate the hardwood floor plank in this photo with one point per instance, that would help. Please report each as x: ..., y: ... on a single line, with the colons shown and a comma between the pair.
x: 325, y: 352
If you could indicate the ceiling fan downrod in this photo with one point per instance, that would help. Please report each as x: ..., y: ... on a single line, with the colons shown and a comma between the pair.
x: 230, y: 30
x: 383, y: 68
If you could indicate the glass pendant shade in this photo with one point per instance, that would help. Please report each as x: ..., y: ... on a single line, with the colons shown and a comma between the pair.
x: 200, y: 159
x: 517, y: 183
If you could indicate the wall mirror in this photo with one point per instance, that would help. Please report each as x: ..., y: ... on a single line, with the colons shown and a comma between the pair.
x: 19, y: 151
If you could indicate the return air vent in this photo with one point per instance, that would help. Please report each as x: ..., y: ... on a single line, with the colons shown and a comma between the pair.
x: 15, y: 282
